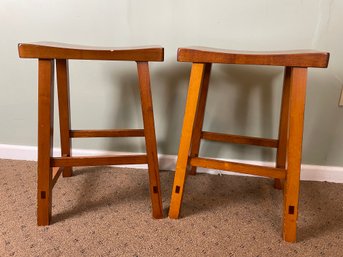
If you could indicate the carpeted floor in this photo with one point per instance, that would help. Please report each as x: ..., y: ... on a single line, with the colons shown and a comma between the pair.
x: 106, y: 212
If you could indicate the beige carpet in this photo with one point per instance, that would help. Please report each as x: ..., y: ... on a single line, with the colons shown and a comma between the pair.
x: 106, y: 212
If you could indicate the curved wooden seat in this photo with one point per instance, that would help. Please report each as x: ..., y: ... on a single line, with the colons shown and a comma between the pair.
x: 53, y: 50
x: 296, y: 58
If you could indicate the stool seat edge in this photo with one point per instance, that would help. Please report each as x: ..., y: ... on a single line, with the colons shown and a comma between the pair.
x: 290, y: 58
x: 55, y: 50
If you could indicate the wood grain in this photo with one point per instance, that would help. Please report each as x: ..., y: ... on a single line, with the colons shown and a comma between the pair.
x: 45, y: 140
x: 296, y: 58
x: 199, y: 118
x: 236, y: 139
x: 186, y: 136
x: 54, y: 50
x: 239, y: 167
x: 283, y: 127
x: 294, y: 150
x: 150, y: 139
x: 98, y: 160
x: 64, y: 111
x: 107, y: 133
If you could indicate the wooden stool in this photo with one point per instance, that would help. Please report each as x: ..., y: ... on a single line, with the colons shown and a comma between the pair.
x: 289, y: 143
x: 49, y: 167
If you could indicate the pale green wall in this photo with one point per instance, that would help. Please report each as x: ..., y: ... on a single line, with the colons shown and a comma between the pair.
x: 241, y: 99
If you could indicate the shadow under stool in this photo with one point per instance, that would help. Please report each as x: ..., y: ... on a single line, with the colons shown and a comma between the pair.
x: 49, y: 167
x: 289, y: 142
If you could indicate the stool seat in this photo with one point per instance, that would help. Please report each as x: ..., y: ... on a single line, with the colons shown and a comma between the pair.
x: 294, y: 58
x: 53, y: 50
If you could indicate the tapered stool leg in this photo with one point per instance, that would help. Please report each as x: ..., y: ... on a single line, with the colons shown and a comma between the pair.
x: 45, y: 139
x: 298, y: 79
x: 150, y: 139
x: 283, y: 127
x: 199, y: 118
x: 195, y: 83
x: 64, y: 111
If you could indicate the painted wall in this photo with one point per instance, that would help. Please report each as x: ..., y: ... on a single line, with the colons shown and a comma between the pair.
x: 243, y: 100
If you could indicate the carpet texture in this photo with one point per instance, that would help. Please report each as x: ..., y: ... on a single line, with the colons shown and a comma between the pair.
x: 104, y: 211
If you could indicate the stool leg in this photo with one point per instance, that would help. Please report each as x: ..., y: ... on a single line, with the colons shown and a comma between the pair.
x: 45, y: 139
x: 296, y: 122
x: 150, y: 139
x: 186, y: 136
x: 199, y: 118
x: 64, y: 111
x: 283, y: 127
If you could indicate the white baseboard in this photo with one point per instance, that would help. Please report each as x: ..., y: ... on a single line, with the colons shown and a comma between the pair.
x: 168, y: 162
